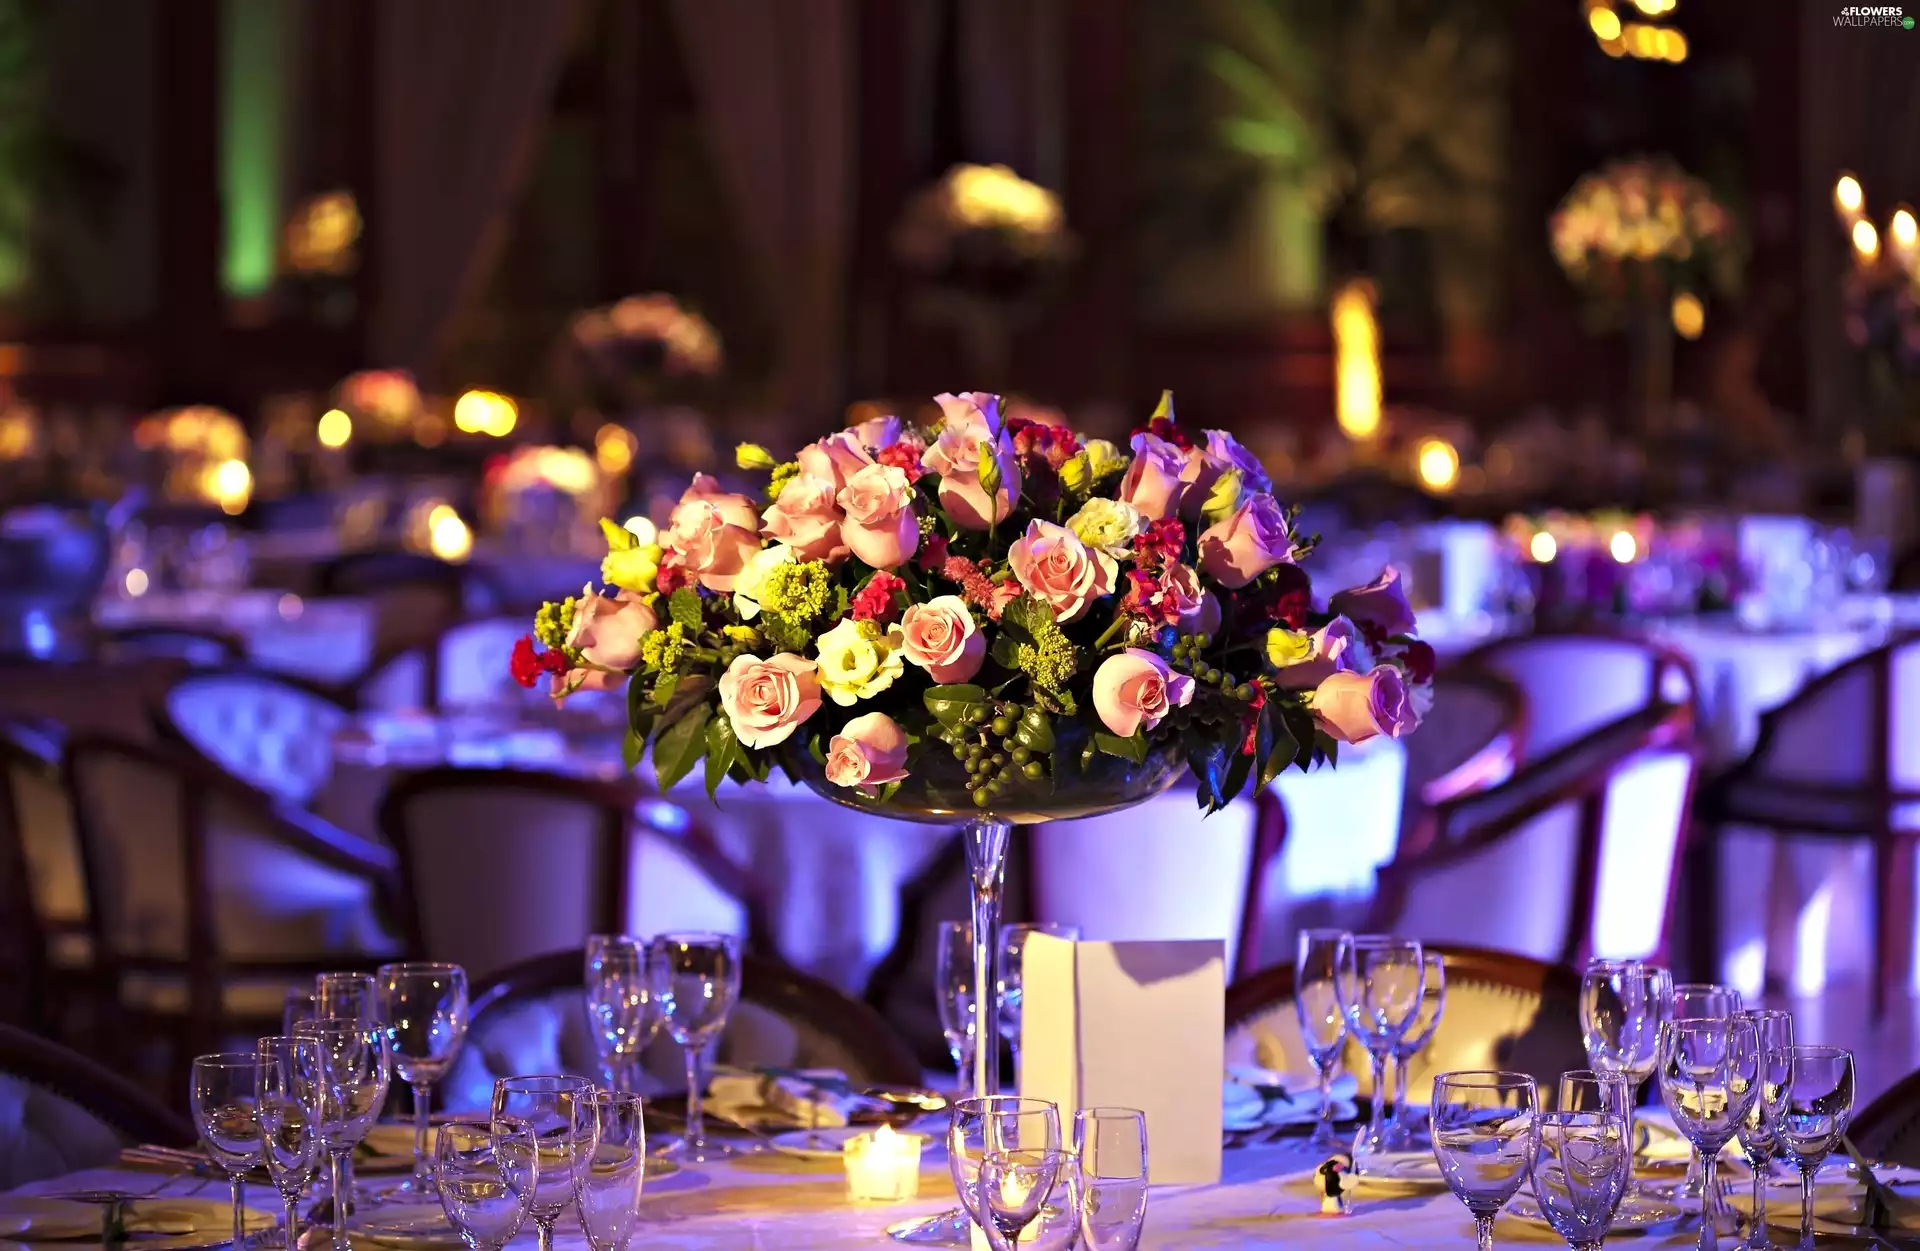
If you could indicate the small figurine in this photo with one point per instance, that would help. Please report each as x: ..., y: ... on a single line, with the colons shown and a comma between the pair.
x: 1329, y: 1179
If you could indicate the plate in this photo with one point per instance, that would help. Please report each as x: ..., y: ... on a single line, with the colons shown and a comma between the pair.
x: 823, y: 1144
x: 1403, y: 1170
x: 657, y: 1169
x: 22, y: 1216
x: 404, y: 1225
x: 1638, y: 1212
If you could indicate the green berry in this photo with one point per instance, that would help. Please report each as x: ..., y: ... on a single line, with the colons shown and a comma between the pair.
x: 959, y: 751
x: 1002, y: 726
x: 1034, y: 770
x: 999, y: 758
x: 980, y: 796
x: 1021, y: 755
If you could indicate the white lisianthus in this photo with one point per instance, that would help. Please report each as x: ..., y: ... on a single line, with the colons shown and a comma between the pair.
x: 753, y: 578
x: 858, y: 660
x: 1109, y: 527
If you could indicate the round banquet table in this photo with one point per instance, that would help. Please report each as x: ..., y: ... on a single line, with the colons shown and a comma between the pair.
x: 324, y: 640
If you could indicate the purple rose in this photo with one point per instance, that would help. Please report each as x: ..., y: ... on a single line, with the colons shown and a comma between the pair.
x: 1246, y: 544
x: 1354, y: 707
x: 1379, y: 608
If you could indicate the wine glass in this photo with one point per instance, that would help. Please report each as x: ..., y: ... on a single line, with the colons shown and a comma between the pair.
x: 608, y: 1188
x: 1110, y: 1159
x: 953, y: 983
x: 425, y: 1010
x: 1757, y: 1137
x: 1811, y: 1111
x: 1709, y: 1074
x: 700, y: 981
x: 1381, y: 981
x: 486, y: 1173
x: 1426, y: 1019
x: 1486, y: 1132
x: 1323, y: 1023
x: 559, y: 1113
x: 226, y: 1111
x: 1010, y: 1187
x: 1622, y: 1003
x: 354, y: 1075
x: 1589, y: 1090
x: 1580, y: 1173
x: 351, y: 996
x: 623, y: 1002
x: 1701, y: 1001
x: 290, y: 1095
x: 299, y: 1006
x: 1013, y: 952
x: 1004, y: 1123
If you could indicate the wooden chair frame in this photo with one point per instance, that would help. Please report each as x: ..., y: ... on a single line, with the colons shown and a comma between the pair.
x: 171, y: 731
x: 101, y: 1091
x: 1663, y: 660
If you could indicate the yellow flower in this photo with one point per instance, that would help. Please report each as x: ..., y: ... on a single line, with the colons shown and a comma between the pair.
x: 632, y: 569
x: 1075, y: 475
x: 1223, y: 499
x: 1103, y: 459
x: 1108, y: 526
x: 753, y: 456
x: 1288, y: 647
x: 858, y: 660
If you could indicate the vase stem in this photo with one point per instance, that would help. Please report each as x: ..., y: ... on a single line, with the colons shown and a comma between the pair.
x: 985, y: 840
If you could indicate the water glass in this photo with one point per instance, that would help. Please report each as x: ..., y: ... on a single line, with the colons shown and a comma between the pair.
x: 623, y: 1003
x: 354, y: 1075
x: 1622, y: 1003
x: 1811, y: 1111
x: 953, y: 984
x: 1701, y: 1001
x: 486, y: 1200
x: 1486, y: 1133
x: 1426, y: 1019
x: 290, y: 1098
x: 1757, y: 1138
x: 1580, y: 1173
x: 226, y: 1110
x: 1323, y: 1024
x: 608, y: 1189
x: 1011, y: 1187
x: 1013, y: 952
x: 1004, y: 1123
x: 299, y: 1006
x: 700, y: 981
x: 1381, y: 983
x: 558, y: 1113
x: 1709, y: 1075
x: 1588, y: 1090
x: 425, y: 1010
x: 1110, y: 1162
x: 349, y: 996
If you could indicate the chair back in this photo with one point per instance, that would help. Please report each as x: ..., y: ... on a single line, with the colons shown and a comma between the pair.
x: 1853, y: 730
x: 1503, y: 1011
x: 414, y: 596
x: 201, y: 649
x: 532, y: 1018
x: 467, y: 666
x: 1577, y: 682
x: 1468, y: 741
x: 273, y: 732
x: 1889, y: 1127
x: 66, y: 1113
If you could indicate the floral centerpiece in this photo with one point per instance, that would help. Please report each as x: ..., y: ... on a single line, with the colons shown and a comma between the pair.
x: 637, y: 350
x: 987, y: 614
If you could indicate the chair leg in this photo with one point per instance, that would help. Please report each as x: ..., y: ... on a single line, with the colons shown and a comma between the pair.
x: 1701, y: 874
x: 1893, y: 865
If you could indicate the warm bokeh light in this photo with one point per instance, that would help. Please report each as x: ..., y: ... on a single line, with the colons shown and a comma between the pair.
x: 485, y: 412
x: 1689, y: 315
x: 16, y: 433
x: 136, y: 582
x: 1903, y: 229
x: 1847, y: 195
x: 1655, y: 8
x: 1866, y: 240
x: 1623, y: 547
x: 1438, y: 464
x: 230, y: 485
x: 335, y: 428
x: 1543, y: 548
x: 447, y: 536
x: 1604, y: 22
x: 993, y: 196
x: 643, y: 529
x: 1672, y: 46
x: 613, y: 448
x: 321, y: 233
x: 1356, y: 340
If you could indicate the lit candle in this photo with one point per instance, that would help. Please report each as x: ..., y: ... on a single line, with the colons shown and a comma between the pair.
x: 1848, y: 199
x: 1903, y: 237
x: 884, y: 1166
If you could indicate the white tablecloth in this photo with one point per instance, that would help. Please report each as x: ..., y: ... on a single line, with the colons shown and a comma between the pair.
x: 325, y: 640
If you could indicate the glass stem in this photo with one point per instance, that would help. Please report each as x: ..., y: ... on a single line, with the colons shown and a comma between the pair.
x: 1483, y: 1229
x: 337, y: 1170
x: 1375, y: 1126
x: 1326, y: 1094
x: 985, y: 840
x: 239, y: 1189
x: 1709, y: 1197
x: 1759, y: 1200
x: 544, y: 1231
x: 1397, y: 1074
x: 292, y: 1203
x: 696, y: 1128
x: 422, y: 1094
x: 1806, y: 1206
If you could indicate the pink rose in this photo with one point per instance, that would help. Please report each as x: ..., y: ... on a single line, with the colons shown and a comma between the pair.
x: 835, y: 458
x: 941, y: 638
x: 1378, y: 608
x: 880, y: 527
x: 870, y: 750
x: 607, y: 628
x: 768, y: 699
x: 1154, y: 483
x: 713, y: 532
x: 1060, y: 570
x: 1336, y: 649
x: 1135, y: 688
x: 1354, y: 707
x: 1241, y: 547
x: 877, y: 434
x: 806, y: 518
x: 1180, y: 584
x: 973, y: 419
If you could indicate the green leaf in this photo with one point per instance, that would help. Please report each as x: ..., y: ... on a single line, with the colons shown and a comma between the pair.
x: 950, y: 704
x: 1132, y: 748
x: 684, y: 606
x: 1208, y: 761
x: 1280, y: 748
x: 679, y: 746
x: 633, y: 749
x: 1028, y: 614
x: 1006, y: 649
x: 1238, y: 769
x: 723, y: 750
x: 664, y: 689
x: 1035, y: 731
x: 888, y: 791
x: 818, y: 752
x: 757, y: 764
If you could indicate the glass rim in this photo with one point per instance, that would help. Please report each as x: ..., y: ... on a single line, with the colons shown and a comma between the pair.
x: 1816, y: 1051
x: 419, y: 966
x: 1325, y: 931
x: 1109, y: 1111
x: 685, y: 937
x: 1594, y: 1075
x: 1486, y: 1079
x: 330, y: 1025
x: 622, y: 1098
x: 543, y: 1083
x: 227, y: 1059
x: 1005, y: 1104
x: 265, y: 1041
x: 340, y: 976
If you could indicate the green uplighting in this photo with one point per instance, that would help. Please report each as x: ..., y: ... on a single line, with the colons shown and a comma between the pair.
x: 255, y: 50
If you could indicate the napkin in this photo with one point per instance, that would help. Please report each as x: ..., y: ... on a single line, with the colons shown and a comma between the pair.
x: 816, y: 1098
x: 1840, y: 1201
x: 1661, y: 1141
x: 1252, y: 1097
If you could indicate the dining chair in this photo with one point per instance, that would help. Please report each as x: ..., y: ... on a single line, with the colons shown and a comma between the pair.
x: 498, y: 865
x: 1840, y: 762
x: 532, y: 1018
x: 66, y: 1112
x: 1889, y: 1127
x: 414, y: 596
x: 273, y: 731
x: 1578, y: 681
x: 1573, y: 856
x: 1503, y: 1011
x: 42, y: 885
x: 206, y: 899
x: 465, y: 666
x: 205, y: 649
x: 1469, y: 741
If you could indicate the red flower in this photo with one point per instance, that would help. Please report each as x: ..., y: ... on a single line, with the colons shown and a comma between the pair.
x: 1162, y: 541
x: 904, y: 457
x: 1249, y: 744
x: 975, y: 587
x: 1419, y: 661
x: 528, y: 666
x: 1163, y: 428
x: 875, y: 600
x: 933, y: 552
x: 1292, y: 608
x: 672, y: 576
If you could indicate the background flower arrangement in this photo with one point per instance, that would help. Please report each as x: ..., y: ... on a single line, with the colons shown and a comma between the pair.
x: 987, y: 610
x: 1641, y: 229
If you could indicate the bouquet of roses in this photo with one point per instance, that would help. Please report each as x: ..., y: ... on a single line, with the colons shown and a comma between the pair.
x: 991, y: 610
x: 1644, y: 227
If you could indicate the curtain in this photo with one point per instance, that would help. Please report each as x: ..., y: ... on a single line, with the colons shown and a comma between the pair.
x: 773, y: 80
x: 463, y: 89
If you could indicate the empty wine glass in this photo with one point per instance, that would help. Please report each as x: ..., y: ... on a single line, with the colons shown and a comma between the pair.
x: 1757, y: 1138
x: 1709, y: 1074
x: 1110, y: 1156
x: 608, y: 1188
x: 486, y: 1173
x: 700, y: 980
x: 226, y: 1111
x: 299, y: 1006
x: 1013, y: 954
x: 290, y: 1095
x: 1004, y: 1123
x: 1486, y: 1132
x: 623, y: 1002
x: 1426, y: 1019
x: 425, y: 1010
x: 1580, y: 1173
x: 1011, y: 1187
x: 1811, y: 1112
x: 953, y: 984
x: 1381, y: 983
x: 559, y: 1114
x: 354, y: 1078
x: 1588, y: 1090
x: 1323, y: 1023
x: 349, y: 996
x: 1701, y: 1001
x: 1622, y: 1003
